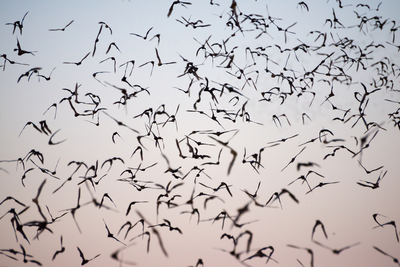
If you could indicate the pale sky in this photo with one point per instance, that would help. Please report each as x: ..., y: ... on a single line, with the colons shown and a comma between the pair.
x: 236, y: 80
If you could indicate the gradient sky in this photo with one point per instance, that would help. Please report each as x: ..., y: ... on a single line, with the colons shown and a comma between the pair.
x: 345, y: 208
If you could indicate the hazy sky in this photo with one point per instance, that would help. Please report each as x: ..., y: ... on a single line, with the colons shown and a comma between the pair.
x: 247, y: 96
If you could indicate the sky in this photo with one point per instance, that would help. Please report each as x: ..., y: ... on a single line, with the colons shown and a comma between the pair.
x: 245, y: 133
